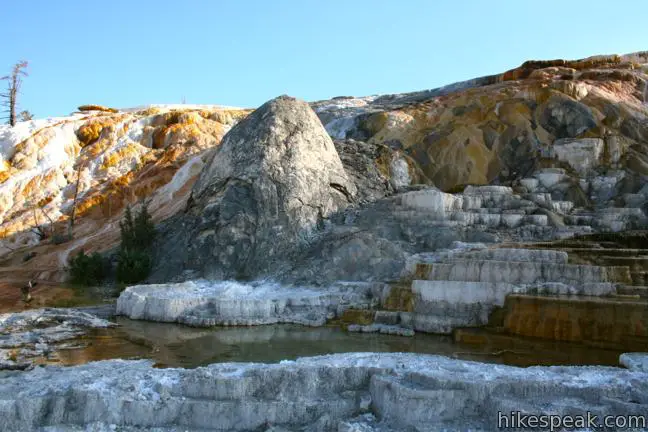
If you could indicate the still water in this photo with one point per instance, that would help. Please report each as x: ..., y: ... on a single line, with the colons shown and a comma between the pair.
x: 173, y: 345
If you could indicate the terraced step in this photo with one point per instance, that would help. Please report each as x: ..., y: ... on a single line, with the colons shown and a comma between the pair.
x: 514, y: 254
x: 534, y: 351
x: 635, y: 263
x: 439, y: 306
x: 595, y: 319
x: 585, y: 251
x: 579, y: 220
x: 482, y: 199
x: 633, y: 290
x: 517, y: 272
x: 468, y: 218
x: 451, y: 293
x: 509, y: 220
x: 562, y: 206
x: 639, y: 277
x: 566, y: 244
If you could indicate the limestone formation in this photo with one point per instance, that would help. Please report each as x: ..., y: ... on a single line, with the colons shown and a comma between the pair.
x: 365, y: 391
x: 635, y: 361
x: 206, y: 303
x: 423, y: 205
x: 499, y: 128
x: 114, y: 159
x: 379, y: 240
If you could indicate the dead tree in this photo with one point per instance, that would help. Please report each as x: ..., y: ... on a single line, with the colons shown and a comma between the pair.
x: 26, y: 115
x: 11, y: 97
x: 74, y: 200
x: 41, y: 230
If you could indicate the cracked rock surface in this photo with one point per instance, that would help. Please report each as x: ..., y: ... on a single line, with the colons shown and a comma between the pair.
x: 356, y: 391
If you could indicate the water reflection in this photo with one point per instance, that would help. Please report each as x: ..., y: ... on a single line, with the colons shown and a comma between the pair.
x: 172, y: 345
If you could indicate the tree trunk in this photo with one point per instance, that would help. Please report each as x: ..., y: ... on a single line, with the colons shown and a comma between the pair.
x: 74, y: 201
x: 13, y: 92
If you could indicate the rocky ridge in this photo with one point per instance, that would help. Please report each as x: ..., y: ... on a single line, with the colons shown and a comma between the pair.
x: 586, y: 119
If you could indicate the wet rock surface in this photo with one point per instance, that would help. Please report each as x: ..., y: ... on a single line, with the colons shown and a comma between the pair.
x: 365, y: 391
x: 25, y: 336
x: 539, y: 291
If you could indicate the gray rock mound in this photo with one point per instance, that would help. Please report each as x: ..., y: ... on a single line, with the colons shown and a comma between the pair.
x: 273, y: 180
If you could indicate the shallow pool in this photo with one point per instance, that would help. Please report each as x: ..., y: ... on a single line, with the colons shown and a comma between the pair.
x: 173, y: 345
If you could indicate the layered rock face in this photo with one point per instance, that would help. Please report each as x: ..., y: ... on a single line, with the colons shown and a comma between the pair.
x: 274, y: 179
x: 619, y: 318
x: 106, y: 159
x: 586, y: 117
x: 465, y: 289
x: 376, y: 242
x: 346, y: 392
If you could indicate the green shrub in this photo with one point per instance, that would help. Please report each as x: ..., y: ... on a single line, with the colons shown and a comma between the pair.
x: 133, y: 265
x: 87, y: 269
x: 144, y: 230
x: 137, y: 234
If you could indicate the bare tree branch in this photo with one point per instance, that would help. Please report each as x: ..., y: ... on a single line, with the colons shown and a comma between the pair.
x: 13, y: 89
x: 39, y: 229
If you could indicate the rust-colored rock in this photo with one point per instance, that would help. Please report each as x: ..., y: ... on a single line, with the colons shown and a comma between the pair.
x: 594, y: 320
x: 91, y: 107
x: 111, y: 157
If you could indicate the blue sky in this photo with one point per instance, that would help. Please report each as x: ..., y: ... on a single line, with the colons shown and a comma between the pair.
x: 242, y: 53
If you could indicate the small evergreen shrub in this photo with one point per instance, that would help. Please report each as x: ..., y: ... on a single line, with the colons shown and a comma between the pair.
x: 137, y: 234
x: 133, y: 265
x: 87, y: 269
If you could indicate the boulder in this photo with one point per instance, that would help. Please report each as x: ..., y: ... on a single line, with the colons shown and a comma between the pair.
x: 271, y: 183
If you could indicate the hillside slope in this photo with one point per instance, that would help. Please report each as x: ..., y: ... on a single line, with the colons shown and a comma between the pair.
x: 588, y: 116
x: 575, y: 130
x: 116, y: 158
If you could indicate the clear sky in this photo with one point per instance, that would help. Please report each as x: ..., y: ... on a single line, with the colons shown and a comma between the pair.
x: 127, y: 52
